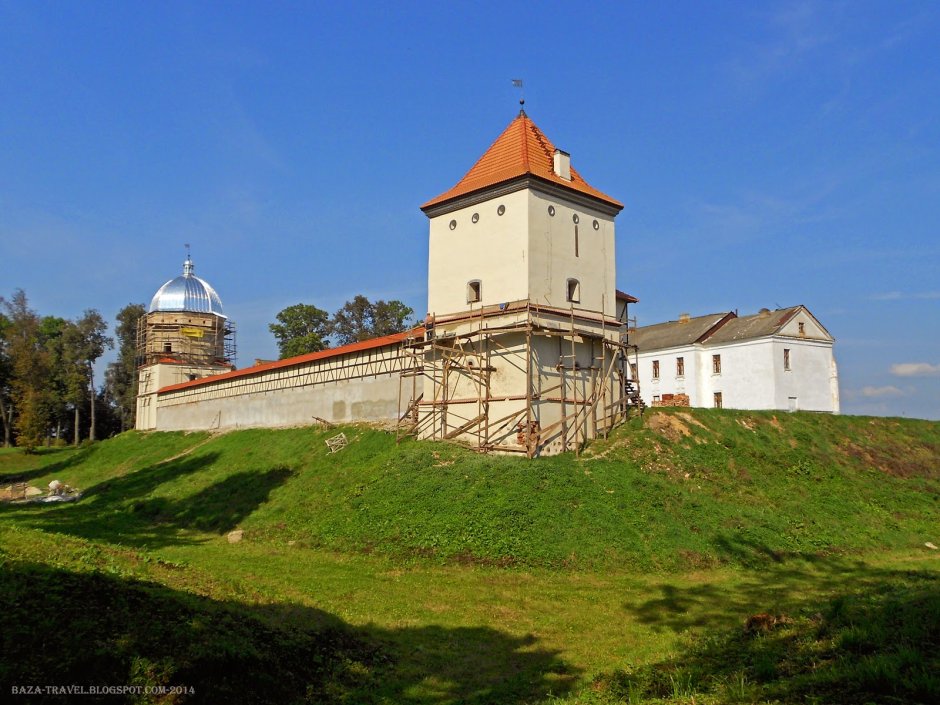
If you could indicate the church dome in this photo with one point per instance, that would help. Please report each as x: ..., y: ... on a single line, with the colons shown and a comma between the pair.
x: 187, y: 293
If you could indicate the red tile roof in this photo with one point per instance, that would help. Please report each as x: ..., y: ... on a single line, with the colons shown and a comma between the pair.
x: 624, y: 296
x: 522, y: 149
x: 299, y: 360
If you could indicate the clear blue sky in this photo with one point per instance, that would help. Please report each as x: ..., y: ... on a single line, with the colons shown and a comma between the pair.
x: 769, y: 154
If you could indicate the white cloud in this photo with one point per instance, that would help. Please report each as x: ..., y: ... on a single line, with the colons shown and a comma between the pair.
x: 915, y: 369
x: 887, y: 391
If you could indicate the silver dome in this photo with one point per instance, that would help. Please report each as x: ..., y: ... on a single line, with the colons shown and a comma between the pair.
x: 187, y: 293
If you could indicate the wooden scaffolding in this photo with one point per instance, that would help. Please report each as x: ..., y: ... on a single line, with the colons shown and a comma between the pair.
x: 446, y: 389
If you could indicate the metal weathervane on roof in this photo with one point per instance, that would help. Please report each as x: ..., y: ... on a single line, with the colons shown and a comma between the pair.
x: 517, y: 83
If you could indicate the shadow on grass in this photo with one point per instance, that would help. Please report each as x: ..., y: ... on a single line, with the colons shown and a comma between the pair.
x: 844, y: 633
x: 60, y: 627
x: 124, y: 509
x: 775, y: 582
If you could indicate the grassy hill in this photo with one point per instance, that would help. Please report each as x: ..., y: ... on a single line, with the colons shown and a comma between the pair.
x: 425, y: 573
x: 683, y: 490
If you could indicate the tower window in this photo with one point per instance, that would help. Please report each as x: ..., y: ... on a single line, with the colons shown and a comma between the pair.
x: 574, y: 291
x: 576, y: 241
x: 474, y: 291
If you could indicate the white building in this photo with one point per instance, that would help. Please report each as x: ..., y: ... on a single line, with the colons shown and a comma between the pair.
x: 771, y: 360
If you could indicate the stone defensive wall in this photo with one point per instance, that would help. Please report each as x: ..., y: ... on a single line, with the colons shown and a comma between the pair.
x: 356, y: 382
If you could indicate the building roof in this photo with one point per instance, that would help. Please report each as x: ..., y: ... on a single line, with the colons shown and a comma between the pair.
x: 521, y: 150
x: 187, y: 293
x: 676, y: 333
x: 624, y: 296
x: 758, y: 325
x: 718, y: 329
x: 299, y: 359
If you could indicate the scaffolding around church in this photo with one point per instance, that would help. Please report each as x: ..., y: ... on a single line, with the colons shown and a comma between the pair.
x: 574, y: 369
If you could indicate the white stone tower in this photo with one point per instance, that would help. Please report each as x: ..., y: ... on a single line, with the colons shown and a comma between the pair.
x: 524, y: 351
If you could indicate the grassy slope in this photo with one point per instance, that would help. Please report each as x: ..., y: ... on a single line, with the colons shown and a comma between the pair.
x: 759, y: 489
x: 739, y: 486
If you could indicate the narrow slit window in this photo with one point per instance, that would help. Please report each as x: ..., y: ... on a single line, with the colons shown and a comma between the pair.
x: 474, y: 291
x: 576, y: 241
x: 786, y: 358
x: 655, y: 369
x: 574, y: 291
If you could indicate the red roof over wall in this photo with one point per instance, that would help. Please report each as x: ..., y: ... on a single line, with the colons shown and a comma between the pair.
x: 522, y: 149
x: 299, y: 360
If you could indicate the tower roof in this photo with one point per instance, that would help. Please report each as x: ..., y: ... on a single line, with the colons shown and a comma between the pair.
x: 521, y: 150
x: 187, y: 293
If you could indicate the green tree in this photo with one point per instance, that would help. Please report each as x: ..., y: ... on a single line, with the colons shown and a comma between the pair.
x: 88, y: 345
x: 53, y: 333
x: 29, y: 372
x: 391, y: 317
x: 361, y: 319
x: 300, y: 329
x: 6, y: 376
x: 121, y: 375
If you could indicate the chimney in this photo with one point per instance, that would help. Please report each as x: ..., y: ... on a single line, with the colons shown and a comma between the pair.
x: 562, y: 165
x: 764, y: 312
x: 684, y: 318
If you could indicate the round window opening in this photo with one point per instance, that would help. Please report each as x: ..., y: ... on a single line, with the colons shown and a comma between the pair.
x: 576, y: 219
x: 551, y: 210
x: 453, y: 224
x: 597, y: 226
x: 500, y: 210
x: 475, y: 218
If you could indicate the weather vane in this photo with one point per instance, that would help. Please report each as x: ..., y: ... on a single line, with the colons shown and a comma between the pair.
x: 517, y: 83
x: 186, y: 245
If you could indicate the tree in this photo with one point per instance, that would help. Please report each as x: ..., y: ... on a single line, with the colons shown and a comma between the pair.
x: 300, y: 329
x: 88, y: 345
x: 353, y: 322
x: 6, y: 376
x: 29, y: 371
x: 390, y: 317
x: 360, y: 320
x: 121, y: 375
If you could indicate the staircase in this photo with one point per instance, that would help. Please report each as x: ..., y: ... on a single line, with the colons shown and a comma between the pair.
x: 632, y: 392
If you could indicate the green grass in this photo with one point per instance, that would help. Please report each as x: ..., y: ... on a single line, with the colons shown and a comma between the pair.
x: 424, y: 573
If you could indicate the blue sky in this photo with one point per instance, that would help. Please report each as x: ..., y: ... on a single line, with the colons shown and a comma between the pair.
x: 769, y: 154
